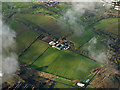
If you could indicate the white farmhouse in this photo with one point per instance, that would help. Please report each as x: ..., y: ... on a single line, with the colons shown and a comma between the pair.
x: 80, y: 84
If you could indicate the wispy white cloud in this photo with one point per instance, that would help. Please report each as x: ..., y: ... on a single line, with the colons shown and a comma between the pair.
x: 7, y: 52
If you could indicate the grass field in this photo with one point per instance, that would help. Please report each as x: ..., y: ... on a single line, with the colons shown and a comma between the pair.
x: 24, y: 35
x: 109, y: 25
x: 63, y: 80
x: 33, y: 52
x: 87, y: 34
x: 58, y: 85
x: 49, y: 25
x: 64, y: 64
x: 97, y: 47
x: 45, y: 22
x: 58, y: 62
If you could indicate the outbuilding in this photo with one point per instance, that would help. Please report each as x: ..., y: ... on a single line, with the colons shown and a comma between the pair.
x: 80, y: 84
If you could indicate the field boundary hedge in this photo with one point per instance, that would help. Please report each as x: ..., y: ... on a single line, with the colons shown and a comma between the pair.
x: 38, y: 57
x: 29, y: 45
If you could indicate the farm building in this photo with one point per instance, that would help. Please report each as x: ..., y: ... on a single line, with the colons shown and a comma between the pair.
x: 52, y: 43
x: 117, y: 8
x: 87, y: 81
x: 116, y: 5
x: 58, y: 45
x: 80, y: 84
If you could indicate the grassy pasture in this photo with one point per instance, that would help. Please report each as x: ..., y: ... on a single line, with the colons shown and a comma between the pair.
x: 24, y: 35
x: 109, y: 25
x: 25, y: 39
x: 84, y: 37
x: 58, y: 62
x: 47, y: 58
x: 33, y: 52
x: 99, y: 46
x: 58, y: 85
x: 63, y: 80
x: 46, y: 22
x: 50, y: 26
x: 64, y: 64
x: 53, y: 61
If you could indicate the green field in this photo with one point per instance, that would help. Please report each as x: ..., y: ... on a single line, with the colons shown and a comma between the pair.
x: 58, y: 85
x: 97, y: 47
x: 63, y: 80
x: 33, y: 52
x: 25, y: 36
x: 49, y: 25
x: 109, y: 25
x: 46, y: 23
x: 87, y: 34
x: 57, y: 62
x: 33, y: 19
x: 64, y: 64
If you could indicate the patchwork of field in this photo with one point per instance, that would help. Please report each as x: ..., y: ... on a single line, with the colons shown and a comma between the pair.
x: 42, y: 19
x: 62, y: 63
x: 46, y: 23
x: 33, y: 52
x: 49, y: 25
x: 57, y: 62
x: 83, y: 38
x: 63, y: 80
x: 109, y: 25
x: 65, y: 64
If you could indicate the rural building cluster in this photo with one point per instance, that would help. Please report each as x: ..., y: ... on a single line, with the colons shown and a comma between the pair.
x: 116, y: 5
x: 62, y: 44
x: 49, y: 3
